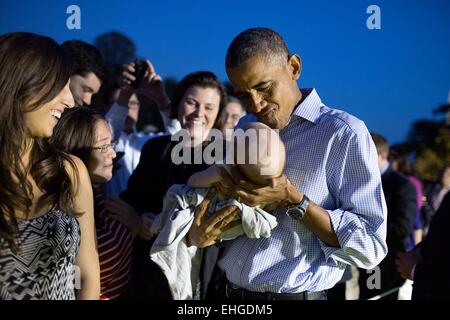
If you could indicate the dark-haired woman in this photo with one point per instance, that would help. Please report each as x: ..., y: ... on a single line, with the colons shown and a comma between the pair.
x: 47, y: 236
x: 85, y: 133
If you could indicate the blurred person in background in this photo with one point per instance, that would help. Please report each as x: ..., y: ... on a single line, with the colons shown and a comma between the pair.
x: 230, y: 116
x: 428, y: 264
x: 400, y: 162
x: 434, y: 193
x: 89, y: 72
x: 401, y: 201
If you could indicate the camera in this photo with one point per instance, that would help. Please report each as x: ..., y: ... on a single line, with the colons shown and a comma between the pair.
x: 140, y: 66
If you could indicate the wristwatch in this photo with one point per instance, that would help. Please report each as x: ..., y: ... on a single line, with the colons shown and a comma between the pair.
x: 297, y: 211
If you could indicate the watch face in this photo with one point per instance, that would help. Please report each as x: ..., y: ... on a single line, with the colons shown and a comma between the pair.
x: 299, y: 211
x: 295, y: 213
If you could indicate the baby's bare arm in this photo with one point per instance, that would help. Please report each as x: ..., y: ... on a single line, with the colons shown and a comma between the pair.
x: 205, y: 178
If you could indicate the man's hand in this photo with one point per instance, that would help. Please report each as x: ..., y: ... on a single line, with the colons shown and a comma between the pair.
x: 205, y: 230
x: 405, y: 262
x: 123, y: 94
x: 279, y: 192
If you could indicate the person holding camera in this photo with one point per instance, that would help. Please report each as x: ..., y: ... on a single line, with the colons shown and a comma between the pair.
x: 138, y: 78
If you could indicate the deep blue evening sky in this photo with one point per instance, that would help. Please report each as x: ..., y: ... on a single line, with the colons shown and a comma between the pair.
x: 388, y: 77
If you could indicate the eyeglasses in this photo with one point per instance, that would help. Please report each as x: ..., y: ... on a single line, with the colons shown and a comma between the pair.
x: 105, y: 147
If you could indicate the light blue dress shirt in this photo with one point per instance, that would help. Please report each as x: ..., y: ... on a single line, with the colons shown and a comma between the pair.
x: 332, y: 159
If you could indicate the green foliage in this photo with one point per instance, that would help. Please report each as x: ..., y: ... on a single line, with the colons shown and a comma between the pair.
x: 431, y: 158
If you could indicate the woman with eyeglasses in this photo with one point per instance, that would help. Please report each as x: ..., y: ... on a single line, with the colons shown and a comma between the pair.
x: 85, y: 133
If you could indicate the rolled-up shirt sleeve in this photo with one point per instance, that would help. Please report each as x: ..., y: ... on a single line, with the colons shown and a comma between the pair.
x: 116, y: 117
x: 360, y: 220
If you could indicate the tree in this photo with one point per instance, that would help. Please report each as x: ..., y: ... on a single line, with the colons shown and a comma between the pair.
x: 117, y: 50
x: 431, y: 159
x: 429, y: 143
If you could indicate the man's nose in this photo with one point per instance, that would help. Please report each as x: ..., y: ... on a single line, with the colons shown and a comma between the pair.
x: 87, y: 99
x: 256, y: 103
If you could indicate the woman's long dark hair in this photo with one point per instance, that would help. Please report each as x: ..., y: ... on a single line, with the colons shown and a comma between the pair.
x: 75, y: 134
x: 34, y: 69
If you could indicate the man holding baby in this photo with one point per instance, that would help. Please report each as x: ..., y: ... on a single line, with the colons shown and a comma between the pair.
x: 328, y: 203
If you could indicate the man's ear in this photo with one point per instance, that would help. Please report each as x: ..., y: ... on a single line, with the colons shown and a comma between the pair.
x: 295, y: 66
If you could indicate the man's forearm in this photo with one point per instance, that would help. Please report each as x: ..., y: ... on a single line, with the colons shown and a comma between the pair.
x: 316, y: 219
x: 124, y: 98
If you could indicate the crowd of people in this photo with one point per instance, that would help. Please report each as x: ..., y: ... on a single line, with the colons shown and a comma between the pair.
x: 93, y: 208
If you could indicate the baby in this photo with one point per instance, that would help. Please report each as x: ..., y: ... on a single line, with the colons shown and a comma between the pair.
x: 259, y: 156
x: 258, y: 159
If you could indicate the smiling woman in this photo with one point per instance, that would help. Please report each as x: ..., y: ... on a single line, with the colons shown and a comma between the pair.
x: 85, y: 133
x: 196, y: 103
x: 46, y: 218
x: 40, y: 122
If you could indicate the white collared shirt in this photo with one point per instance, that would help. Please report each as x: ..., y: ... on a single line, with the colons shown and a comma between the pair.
x: 332, y: 159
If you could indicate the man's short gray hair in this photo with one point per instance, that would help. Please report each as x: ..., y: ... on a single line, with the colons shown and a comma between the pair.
x: 255, y: 41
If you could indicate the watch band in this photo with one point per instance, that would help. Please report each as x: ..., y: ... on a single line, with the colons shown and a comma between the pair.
x: 298, y: 211
x: 303, y: 205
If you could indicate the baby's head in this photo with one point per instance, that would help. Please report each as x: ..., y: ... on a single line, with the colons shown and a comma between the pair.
x: 258, y: 153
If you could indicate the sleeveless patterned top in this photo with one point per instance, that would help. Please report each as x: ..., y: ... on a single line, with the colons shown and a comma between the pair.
x: 44, y: 267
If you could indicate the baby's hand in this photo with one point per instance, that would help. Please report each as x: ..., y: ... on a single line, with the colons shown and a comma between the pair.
x: 206, y: 178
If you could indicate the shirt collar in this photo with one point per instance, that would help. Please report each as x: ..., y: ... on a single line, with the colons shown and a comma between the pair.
x: 309, y: 107
x: 384, y: 168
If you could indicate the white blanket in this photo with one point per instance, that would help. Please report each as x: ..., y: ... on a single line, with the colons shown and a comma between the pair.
x: 180, y: 263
